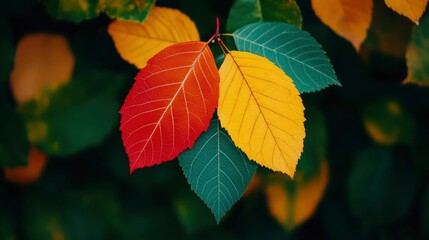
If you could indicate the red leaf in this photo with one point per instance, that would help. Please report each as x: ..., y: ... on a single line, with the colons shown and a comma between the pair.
x: 170, y: 104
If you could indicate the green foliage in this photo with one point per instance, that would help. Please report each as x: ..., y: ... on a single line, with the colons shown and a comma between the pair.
x: 418, y: 54
x: 290, y: 48
x: 85, y: 192
x: 88, y: 105
x: 244, y: 12
x: 216, y: 169
x: 379, y: 183
x: 77, y: 11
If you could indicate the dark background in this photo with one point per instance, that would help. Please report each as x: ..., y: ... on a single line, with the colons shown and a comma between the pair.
x: 375, y: 190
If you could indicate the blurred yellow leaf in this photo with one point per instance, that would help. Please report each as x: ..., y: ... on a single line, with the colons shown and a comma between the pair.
x: 387, y: 123
x: 348, y: 18
x: 138, y: 42
x: 262, y: 111
x: 292, y: 208
x: 42, y: 61
x: 412, y: 9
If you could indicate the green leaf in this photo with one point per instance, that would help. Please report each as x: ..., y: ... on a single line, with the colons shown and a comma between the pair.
x: 244, y: 12
x: 75, y: 11
x: 10, y: 8
x: 79, y: 10
x: 417, y: 54
x: 381, y: 187
x: 291, y: 49
x: 14, y: 146
x: 127, y: 10
x: 216, y: 169
x: 387, y: 123
x: 76, y: 116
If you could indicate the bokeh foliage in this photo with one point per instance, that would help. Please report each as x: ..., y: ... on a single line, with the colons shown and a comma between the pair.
x: 376, y: 189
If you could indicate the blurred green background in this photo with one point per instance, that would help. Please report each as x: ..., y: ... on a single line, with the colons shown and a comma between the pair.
x: 364, y: 173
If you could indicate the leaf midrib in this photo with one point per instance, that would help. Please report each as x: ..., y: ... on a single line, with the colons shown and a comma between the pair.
x: 185, y: 79
x: 259, y: 108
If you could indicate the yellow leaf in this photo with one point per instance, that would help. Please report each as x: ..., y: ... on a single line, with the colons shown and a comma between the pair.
x: 292, y: 208
x: 42, y: 61
x: 261, y: 109
x: 348, y: 18
x: 412, y: 9
x: 138, y: 42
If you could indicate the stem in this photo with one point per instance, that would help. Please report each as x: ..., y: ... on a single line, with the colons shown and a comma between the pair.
x: 227, y: 34
x: 222, y: 46
x: 216, y: 35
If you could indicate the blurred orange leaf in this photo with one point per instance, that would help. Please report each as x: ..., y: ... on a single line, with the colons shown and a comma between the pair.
x: 42, y: 61
x: 412, y: 9
x: 31, y: 172
x: 138, y: 42
x: 293, y: 208
x: 348, y: 18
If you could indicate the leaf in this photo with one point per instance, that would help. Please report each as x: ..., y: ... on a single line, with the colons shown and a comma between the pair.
x: 127, y: 10
x: 244, y: 12
x: 170, y: 104
x: 293, y: 50
x: 216, y: 170
x: 78, y: 10
x: 381, y: 187
x: 29, y: 173
x: 292, y: 202
x: 412, y: 9
x: 262, y: 111
x: 138, y: 42
x: 387, y: 123
x: 75, y: 116
x: 290, y: 207
x: 389, y: 34
x: 348, y: 18
x: 42, y: 62
x: 417, y: 55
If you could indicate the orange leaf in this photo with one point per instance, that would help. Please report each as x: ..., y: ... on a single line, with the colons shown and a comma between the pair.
x: 348, y: 18
x: 42, y: 61
x: 412, y: 9
x: 171, y: 102
x: 292, y: 208
x: 31, y: 172
x: 138, y: 42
